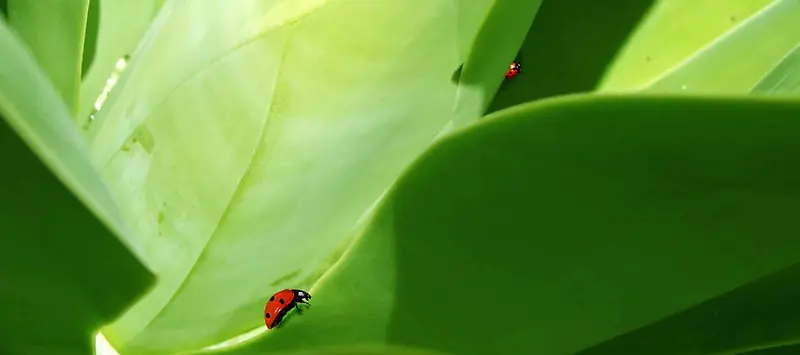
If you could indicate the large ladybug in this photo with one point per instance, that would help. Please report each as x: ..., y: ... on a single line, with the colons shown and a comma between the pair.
x: 281, y: 303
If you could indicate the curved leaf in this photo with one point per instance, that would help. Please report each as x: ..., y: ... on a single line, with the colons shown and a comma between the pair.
x: 270, y: 129
x: 54, y: 31
x: 58, y: 251
x: 555, y: 226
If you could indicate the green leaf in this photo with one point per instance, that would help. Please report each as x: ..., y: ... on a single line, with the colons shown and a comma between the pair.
x: 270, y: 130
x: 760, y: 315
x: 63, y: 270
x: 737, y: 61
x: 569, y: 47
x: 672, y: 31
x: 784, y: 79
x: 121, y: 27
x: 552, y: 227
x: 54, y: 31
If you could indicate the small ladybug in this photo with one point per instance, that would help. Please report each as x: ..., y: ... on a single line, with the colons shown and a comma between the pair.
x: 281, y: 303
x: 513, y: 70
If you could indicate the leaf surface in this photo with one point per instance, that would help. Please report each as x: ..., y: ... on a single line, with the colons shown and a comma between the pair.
x: 555, y: 226
x: 671, y: 32
x: 784, y: 78
x: 737, y: 61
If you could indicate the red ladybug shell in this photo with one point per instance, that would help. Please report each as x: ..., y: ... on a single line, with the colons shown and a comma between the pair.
x: 281, y: 303
x: 513, y: 70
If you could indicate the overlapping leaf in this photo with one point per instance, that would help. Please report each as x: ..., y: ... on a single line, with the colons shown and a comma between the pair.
x: 59, y: 251
x: 559, y: 225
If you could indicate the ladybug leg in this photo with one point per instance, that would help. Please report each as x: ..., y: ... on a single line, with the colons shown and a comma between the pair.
x: 297, y: 307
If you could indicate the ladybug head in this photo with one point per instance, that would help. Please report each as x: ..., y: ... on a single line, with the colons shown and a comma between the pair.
x: 302, y: 295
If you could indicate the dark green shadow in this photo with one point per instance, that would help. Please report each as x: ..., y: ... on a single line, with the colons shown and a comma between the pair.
x: 568, y: 48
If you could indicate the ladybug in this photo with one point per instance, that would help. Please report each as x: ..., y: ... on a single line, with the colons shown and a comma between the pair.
x: 513, y: 70
x: 281, y: 303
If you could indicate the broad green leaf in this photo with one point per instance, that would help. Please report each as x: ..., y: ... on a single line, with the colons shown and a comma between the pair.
x: 760, y: 315
x: 738, y: 60
x: 569, y: 47
x: 54, y: 31
x: 122, y: 25
x: 261, y: 133
x: 784, y: 79
x: 672, y: 31
x: 552, y: 227
x: 64, y: 272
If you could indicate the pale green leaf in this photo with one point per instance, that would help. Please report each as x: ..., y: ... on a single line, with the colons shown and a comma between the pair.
x: 54, y: 32
x: 672, y: 31
x: 738, y: 60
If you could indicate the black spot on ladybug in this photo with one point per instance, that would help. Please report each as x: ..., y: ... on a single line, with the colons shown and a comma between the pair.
x: 281, y: 301
x: 272, y: 298
x: 266, y: 315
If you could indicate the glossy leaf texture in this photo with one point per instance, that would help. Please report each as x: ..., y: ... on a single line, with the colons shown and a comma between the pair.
x: 122, y: 24
x: 737, y: 61
x: 64, y: 271
x: 555, y: 226
x: 54, y: 31
x: 270, y: 129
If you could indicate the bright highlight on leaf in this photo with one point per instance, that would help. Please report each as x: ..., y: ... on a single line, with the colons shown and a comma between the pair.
x: 119, y: 66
